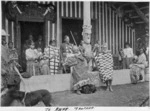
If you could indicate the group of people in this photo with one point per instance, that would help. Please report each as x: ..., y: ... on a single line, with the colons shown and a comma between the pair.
x: 9, y: 57
x: 136, y: 63
x: 79, y: 60
x: 40, y: 60
x: 83, y: 62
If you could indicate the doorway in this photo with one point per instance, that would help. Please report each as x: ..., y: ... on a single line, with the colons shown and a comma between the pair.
x: 35, y: 29
x: 75, y: 26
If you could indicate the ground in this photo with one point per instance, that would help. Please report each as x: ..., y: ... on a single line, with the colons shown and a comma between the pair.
x: 123, y: 95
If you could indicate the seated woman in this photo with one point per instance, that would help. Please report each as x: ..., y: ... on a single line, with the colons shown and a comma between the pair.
x: 80, y: 74
x: 32, y: 63
x: 137, y: 67
x: 104, y: 63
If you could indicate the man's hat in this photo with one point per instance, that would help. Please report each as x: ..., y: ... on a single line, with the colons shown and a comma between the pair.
x: 3, y: 33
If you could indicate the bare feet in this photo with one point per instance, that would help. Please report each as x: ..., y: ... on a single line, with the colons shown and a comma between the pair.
x: 107, y: 89
x: 78, y: 92
x: 110, y: 89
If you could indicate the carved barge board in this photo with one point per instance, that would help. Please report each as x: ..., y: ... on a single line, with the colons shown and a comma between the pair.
x: 30, y: 11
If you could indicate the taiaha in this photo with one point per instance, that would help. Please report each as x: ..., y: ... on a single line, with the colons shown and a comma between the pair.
x: 73, y: 38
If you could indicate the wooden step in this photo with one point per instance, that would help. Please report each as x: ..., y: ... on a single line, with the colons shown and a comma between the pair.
x: 62, y: 82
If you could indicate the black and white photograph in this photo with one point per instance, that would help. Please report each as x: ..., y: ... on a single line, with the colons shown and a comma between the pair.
x: 74, y: 53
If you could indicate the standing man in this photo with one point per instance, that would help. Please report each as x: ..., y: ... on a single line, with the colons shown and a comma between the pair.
x: 4, y: 54
x: 128, y: 56
x: 30, y: 40
x: 66, y: 51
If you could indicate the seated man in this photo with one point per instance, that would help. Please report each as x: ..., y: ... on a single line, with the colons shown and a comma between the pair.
x: 137, y: 69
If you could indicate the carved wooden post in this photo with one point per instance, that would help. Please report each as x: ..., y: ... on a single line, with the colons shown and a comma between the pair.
x: 86, y: 18
x: 87, y: 34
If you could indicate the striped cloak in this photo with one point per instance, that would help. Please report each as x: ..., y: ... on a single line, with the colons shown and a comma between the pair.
x: 104, y: 62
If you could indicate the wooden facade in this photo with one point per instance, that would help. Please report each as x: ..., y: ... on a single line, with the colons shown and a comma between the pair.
x: 108, y: 26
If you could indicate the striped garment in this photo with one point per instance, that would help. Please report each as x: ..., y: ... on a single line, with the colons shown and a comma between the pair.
x: 53, y: 62
x: 104, y: 62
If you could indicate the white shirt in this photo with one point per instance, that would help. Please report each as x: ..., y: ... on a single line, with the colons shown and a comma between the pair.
x: 38, y: 53
x: 141, y: 59
x: 31, y: 54
x: 147, y: 50
x: 128, y: 52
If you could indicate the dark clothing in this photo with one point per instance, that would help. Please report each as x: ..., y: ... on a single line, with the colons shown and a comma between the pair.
x: 39, y: 44
x: 80, y: 74
x: 23, y: 58
x: 127, y: 62
x: 65, y: 48
x: 29, y: 42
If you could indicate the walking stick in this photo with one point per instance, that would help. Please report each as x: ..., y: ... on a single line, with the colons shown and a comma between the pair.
x: 73, y: 38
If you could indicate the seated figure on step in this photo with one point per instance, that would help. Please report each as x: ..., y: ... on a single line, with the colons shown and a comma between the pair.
x: 137, y: 69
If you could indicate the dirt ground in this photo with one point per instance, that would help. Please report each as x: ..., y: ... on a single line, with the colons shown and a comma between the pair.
x: 123, y: 95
